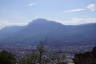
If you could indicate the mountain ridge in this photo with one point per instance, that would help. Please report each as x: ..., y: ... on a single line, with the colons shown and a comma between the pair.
x: 42, y: 29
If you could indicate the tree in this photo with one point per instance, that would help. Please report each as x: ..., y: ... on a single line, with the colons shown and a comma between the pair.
x: 34, y: 57
x: 7, y: 58
x: 40, y: 49
x: 86, y: 58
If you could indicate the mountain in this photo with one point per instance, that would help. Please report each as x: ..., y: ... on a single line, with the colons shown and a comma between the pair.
x: 54, y: 33
x: 10, y: 30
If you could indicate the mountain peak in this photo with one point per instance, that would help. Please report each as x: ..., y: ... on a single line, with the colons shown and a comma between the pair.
x: 40, y: 19
x: 44, y: 23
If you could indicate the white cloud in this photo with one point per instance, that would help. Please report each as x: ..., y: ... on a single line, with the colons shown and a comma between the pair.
x: 4, y: 23
x: 91, y: 7
x: 84, y: 20
x: 74, y: 10
x: 76, y: 21
x: 31, y: 4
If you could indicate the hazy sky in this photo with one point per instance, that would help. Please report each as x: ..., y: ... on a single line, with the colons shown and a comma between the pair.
x: 20, y: 12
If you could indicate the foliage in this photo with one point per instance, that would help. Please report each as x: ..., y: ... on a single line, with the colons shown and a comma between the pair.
x: 86, y: 58
x: 35, y: 57
x: 7, y: 58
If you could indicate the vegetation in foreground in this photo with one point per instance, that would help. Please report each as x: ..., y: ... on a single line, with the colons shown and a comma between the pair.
x: 41, y: 57
x: 86, y: 58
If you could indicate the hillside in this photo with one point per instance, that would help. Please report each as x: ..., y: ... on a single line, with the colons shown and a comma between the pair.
x: 54, y: 33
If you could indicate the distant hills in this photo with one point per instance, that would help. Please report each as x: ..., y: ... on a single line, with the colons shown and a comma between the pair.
x: 51, y: 32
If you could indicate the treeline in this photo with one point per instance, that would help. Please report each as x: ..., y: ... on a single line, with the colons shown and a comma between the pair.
x: 7, y: 58
x: 39, y: 56
x: 86, y: 58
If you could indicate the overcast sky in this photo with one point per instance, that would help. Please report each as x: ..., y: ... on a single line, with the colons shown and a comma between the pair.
x: 70, y: 12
